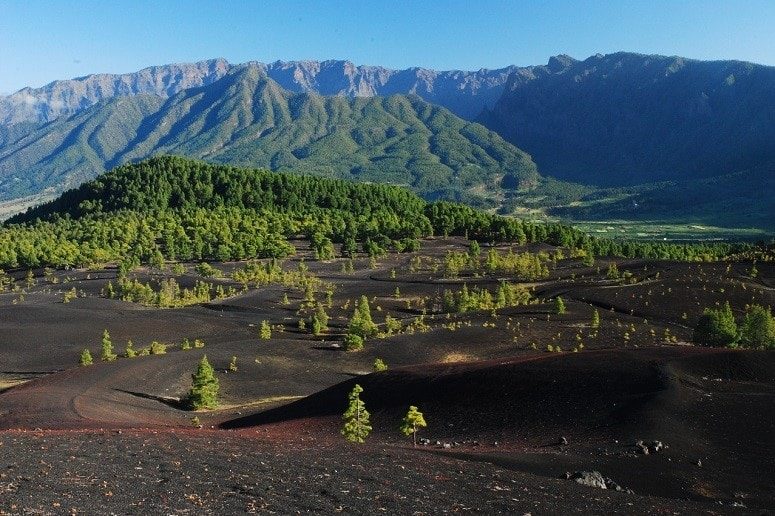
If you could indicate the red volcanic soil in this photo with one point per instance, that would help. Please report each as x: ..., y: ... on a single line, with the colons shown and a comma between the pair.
x: 711, y: 407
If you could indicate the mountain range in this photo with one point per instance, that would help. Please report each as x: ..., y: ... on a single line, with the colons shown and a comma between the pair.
x: 246, y: 118
x: 613, y: 136
x: 464, y: 93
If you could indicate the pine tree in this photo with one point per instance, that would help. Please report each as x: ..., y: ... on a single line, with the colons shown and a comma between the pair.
x: 130, y: 352
x: 30, y: 279
x: 595, y: 319
x: 107, y: 348
x: 353, y: 342
x: 319, y: 321
x: 379, y: 365
x: 265, y: 331
x: 86, y: 359
x: 233, y: 365
x: 559, y: 305
x: 613, y: 271
x: 204, y: 387
x: 412, y: 422
x: 356, y: 418
x: 758, y: 328
x: 361, y: 323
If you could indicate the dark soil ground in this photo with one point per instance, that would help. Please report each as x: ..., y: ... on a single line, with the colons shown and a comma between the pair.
x: 113, y: 438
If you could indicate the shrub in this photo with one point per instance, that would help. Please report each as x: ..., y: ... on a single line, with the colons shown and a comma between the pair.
x: 157, y: 348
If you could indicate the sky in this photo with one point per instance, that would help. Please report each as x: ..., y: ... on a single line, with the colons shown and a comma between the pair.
x: 41, y: 41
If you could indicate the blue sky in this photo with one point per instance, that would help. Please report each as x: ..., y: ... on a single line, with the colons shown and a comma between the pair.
x: 47, y: 40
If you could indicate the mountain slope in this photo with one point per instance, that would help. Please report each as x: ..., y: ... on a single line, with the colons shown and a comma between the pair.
x: 462, y: 92
x: 625, y: 119
x: 245, y: 118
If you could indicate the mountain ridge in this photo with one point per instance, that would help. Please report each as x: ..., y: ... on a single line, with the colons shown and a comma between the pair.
x: 623, y: 119
x: 246, y: 118
x: 328, y: 77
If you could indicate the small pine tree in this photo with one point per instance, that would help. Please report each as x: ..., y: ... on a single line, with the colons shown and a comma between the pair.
x: 379, y: 365
x: 30, y: 279
x: 413, y: 421
x: 107, y: 348
x: 130, y: 352
x: 158, y: 348
x: 356, y: 418
x: 319, y: 320
x: 233, y: 365
x: 285, y: 300
x: 86, y: 359
x: 595, y: 319
x: 265, y: 331
x: 474, y: 249
x: 204, y: 387
x: 353, y: 342
x: 361, y: 323
x: 559, y: 305
x: 613, y: 271
x: 185, y: 345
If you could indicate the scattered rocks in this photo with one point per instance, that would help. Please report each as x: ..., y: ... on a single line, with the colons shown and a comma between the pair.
x: 642, y: 448
x: 563, y: 441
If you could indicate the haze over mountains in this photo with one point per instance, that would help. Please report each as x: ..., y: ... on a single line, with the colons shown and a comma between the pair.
x: 689, y: 140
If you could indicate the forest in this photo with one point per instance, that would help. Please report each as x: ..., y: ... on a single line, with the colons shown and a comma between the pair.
x: 173, y: 208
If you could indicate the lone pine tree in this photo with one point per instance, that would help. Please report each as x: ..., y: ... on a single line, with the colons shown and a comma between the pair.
x: 107, y: 348
x: 595, y: 319
x: 204, y: 387
x: 413, y: 421
x: 86, y: 359
x: 356, y: 418
x: 559, y: 305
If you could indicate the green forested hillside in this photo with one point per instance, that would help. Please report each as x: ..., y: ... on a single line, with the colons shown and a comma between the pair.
x: 247, y: 119
x: 180, y: 209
